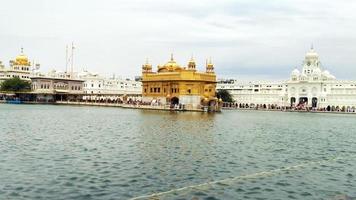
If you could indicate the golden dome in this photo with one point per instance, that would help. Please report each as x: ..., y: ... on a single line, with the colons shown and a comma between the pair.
x: 21, y: 59
x: 171, y: 65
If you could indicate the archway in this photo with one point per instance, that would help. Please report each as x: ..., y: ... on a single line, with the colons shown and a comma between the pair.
x: 292, y: 101
x: 174, y: 101
x: 328, y: 108
x: 303, y: 100
x: 314, y: 102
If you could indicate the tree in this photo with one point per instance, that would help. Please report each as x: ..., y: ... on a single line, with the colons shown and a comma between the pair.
x: 15, y: 85
x: 224, y: 95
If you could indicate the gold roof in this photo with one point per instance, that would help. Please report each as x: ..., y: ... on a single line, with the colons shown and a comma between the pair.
x: 171, y: 65
x: 21, y: 59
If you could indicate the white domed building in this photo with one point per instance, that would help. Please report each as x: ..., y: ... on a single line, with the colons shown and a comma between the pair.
x: 20, y: 67
x: 312, y: 87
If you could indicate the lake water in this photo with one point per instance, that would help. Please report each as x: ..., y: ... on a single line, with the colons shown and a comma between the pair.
x: 67, y: 152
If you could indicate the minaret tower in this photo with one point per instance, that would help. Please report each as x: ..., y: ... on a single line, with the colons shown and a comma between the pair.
x: 147, y: 67
x: 191, y: 64
x: 209, y: 66
x: 311, y: 62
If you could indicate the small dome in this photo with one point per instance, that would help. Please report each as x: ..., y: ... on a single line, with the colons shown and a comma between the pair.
x: 295, y: 72
x: 21, y: 59
x: 326, y: 73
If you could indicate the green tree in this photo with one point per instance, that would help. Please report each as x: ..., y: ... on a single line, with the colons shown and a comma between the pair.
x: 224, y: 95
x: 15, y: 85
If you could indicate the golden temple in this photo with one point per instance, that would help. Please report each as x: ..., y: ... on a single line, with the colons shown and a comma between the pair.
x: 176, y: 85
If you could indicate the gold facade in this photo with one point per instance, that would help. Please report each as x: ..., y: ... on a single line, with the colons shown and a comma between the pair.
x: 175, y: 84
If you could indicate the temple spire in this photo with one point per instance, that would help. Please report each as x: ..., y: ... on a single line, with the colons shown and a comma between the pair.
x: 21, y: 50
x: 172, y: 59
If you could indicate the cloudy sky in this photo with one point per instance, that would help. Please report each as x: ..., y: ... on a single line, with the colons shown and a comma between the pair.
x: 247, y: 39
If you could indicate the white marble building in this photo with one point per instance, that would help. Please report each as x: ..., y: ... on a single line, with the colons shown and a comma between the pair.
x: 97, y: 84
x: 310, y: 87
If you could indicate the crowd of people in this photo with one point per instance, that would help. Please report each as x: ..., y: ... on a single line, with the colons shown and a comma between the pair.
x: 298, y: 107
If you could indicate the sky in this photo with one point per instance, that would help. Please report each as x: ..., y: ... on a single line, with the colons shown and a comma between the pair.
x: 246, y: 39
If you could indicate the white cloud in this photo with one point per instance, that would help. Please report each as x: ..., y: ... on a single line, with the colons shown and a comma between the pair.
x: 245, y: 38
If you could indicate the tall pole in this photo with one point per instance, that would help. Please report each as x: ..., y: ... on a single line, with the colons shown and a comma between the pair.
x: 66, y: 59
x: 72, y: 56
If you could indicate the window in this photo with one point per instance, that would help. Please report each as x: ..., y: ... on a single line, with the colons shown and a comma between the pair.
x: 159, y: 90
x: 189, y: 91
x: 154, y: 89
x: 151, y: 90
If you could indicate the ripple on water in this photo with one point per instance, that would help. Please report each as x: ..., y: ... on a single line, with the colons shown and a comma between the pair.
x: 110, y: 153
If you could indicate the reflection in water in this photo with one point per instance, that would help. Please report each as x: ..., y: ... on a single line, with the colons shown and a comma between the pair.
x: 65, y: 152
x: 177, y: 145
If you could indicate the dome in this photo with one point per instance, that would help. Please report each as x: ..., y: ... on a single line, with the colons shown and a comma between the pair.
x: 171, y: 65
x: 21, y: 59
x: 312, y: 54
x: 326, y: 73
x: 295, y: 72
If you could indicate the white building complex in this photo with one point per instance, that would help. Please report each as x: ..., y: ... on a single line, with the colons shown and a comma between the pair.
x: 20, y: 67
x: 312, y: 87
x: 93, y: 83
x: 97, y: 84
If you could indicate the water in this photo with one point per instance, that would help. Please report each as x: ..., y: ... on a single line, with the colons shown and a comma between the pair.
x: 65, y: 152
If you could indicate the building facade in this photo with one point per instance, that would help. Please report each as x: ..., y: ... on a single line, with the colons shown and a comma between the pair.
x: 97, y: 84
x: 20, y: 67
x: 50, y: 89
x: 312, y: 87
x: 173, y: 84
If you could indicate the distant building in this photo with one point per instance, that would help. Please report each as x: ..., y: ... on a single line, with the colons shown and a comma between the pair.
x: 96, y: 84
x: 312, y: 87
x: 52, y: 85
x: 255, y: 92
x: 174, y: 84
x: 20, y: 67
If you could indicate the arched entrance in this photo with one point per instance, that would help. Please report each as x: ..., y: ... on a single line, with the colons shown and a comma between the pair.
x: 314, y: 102
x: 303, y: 100
x: 328, y: 108
x: 174, y: 101
x: 292, y: 101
